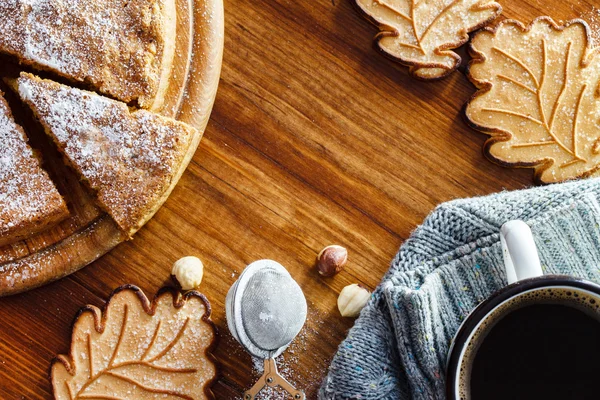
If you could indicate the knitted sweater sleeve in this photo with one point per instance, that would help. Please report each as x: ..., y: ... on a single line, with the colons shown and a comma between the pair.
x: 377, y: 366
x: 399, y: 344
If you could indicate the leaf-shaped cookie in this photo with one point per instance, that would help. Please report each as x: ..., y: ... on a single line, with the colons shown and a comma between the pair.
x: 420, y: 33
x: 134, y: 349
x: 539, y: 97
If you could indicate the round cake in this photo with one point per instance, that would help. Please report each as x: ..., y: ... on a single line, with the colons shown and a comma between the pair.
x: 98, y: 121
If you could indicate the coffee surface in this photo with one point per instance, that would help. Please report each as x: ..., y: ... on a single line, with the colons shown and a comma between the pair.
x: 540, y: 351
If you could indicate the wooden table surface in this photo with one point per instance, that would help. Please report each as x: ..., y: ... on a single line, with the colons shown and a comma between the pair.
x: 315, y: 139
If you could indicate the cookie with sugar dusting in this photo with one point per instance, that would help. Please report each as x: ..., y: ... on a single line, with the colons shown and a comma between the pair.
x: 539, y: 97
x: 29, y: 201
x: 137, y: 349
x: 124, y: 49
x: 422, y: 33
x: 130, y: 159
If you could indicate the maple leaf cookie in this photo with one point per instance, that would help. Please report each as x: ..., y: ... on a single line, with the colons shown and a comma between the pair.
x: 422, y: 33
x: 539, y: 97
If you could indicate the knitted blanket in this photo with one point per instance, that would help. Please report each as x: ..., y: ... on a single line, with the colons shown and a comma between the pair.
x: 398, y: 346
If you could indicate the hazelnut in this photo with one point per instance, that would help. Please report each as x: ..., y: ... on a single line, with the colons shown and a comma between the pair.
x: 352, y: 299
x: 331, y: 260
x: 188, y: 272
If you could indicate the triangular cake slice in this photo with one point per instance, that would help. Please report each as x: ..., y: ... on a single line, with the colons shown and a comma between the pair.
x: 130, y: 159
x: 122, y: 48
x: 29, y: 201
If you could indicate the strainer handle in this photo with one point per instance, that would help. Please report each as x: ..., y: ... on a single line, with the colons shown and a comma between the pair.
x: 272, y: 378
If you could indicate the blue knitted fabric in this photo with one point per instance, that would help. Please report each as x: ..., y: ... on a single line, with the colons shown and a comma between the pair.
x: 398, y: 346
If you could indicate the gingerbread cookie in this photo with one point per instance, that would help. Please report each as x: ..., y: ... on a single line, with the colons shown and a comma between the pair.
x: 421, y: 33
x: 538, y: 98
x: 137, y: 349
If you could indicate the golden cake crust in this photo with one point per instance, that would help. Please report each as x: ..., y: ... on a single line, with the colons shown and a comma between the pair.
x: 129, y: 158
x: 29, y: 201
x: 122, y: 48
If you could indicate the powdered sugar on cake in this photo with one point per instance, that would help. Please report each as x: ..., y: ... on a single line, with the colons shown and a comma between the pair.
x: 27, y: 196
x: 128, y: 158
x: 116, y: 45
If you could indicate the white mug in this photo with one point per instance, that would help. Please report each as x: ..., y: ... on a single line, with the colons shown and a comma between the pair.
x: 527, y: 285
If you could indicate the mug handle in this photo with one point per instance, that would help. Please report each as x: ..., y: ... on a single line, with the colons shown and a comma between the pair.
x: 521, y: 259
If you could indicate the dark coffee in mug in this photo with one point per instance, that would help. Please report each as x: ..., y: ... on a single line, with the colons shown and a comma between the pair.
x: 544, y: 344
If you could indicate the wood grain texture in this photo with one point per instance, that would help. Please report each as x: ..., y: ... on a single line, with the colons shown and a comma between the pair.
x: 314, y: 139
x: 88, y: 232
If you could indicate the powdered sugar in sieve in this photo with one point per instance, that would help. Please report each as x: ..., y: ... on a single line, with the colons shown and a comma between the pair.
x: 266, y: 309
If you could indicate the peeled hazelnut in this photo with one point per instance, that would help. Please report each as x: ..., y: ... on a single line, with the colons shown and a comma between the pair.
x: 352, y: 299
x: 331, y: 260
x: 188, y: 272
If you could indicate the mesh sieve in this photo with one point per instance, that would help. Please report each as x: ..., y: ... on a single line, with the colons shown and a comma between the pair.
x: 265, y: 308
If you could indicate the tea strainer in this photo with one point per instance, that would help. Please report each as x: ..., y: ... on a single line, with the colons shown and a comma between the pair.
x: 265, y: 310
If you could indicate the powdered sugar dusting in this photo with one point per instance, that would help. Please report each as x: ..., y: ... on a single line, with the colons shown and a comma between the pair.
x: 158, y: 355
x: 128, y: 158
x: 292, y: 357
x: 592, y: 17
x: 27, y: 196
x: 117, y: 45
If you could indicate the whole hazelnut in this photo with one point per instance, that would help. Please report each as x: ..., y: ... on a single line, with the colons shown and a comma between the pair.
x: 188, y: 272
x: 331, y: 260
x: 352, y: 299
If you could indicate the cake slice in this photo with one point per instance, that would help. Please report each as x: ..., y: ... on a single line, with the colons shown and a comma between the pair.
x: 29, y: 201
x: 129, y: 158
x: 122, y: 48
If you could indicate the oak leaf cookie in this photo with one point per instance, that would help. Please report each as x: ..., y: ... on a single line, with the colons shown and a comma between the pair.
x: 421, y: 33
x: 538, y: 98
x: 137, y: 349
